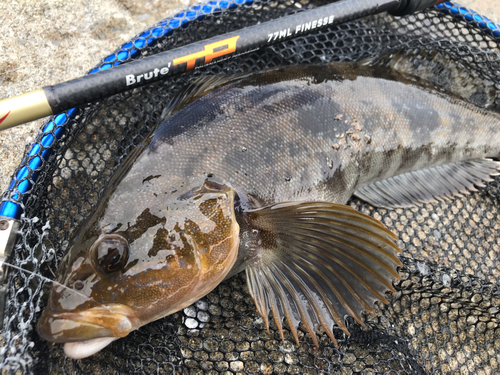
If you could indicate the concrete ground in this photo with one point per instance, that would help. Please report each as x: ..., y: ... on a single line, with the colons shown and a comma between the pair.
x: 44, y: 42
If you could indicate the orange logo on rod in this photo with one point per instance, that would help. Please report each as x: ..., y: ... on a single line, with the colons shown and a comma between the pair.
x: 210, y: 52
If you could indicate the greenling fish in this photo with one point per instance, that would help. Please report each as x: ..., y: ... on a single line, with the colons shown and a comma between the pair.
x: 252, y: 173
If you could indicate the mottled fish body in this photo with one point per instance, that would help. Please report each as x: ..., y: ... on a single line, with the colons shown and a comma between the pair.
x: 253, y: 173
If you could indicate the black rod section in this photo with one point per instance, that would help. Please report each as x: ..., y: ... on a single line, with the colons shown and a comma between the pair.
x: 66, y: 95
x: 63, y: 96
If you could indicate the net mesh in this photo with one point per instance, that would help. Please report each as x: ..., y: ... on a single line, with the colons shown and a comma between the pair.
x: 444, y: 315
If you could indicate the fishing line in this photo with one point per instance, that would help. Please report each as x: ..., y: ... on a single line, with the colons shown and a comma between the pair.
x: 46, y: 279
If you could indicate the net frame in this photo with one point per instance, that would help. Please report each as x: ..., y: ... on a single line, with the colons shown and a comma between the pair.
x: 50, y: 151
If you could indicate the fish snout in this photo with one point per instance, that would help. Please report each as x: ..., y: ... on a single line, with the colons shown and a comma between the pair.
x: 108, y: 321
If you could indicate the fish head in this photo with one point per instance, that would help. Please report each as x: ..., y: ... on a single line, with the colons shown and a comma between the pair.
x: 117, y: 277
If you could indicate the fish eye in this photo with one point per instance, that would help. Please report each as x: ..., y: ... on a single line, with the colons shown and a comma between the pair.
x: 111, y: 253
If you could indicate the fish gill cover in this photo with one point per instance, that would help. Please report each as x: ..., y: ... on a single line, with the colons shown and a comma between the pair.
x: 444, y: 314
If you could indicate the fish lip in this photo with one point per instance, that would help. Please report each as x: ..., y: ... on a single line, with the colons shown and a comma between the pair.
x: 97, y: 322
x: 84, y: 349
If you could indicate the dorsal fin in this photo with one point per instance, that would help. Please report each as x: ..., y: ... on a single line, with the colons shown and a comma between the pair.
x: 198, y: 88
x: 203, y: 85
x: 429, y: 184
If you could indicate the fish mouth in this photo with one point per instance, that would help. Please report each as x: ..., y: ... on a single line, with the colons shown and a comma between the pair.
x: 84, y: 349
x: 86, y: 332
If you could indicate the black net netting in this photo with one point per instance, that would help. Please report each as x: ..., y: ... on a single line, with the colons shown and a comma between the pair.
x: 444, y: 316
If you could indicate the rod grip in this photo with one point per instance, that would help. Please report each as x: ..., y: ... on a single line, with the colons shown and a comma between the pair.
x: 23, y: 108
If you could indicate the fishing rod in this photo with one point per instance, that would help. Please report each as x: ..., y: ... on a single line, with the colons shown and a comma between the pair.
x: 61, y: 97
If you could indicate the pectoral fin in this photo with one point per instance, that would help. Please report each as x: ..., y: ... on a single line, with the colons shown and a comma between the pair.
x: 317, y: 263
x: 430, y: 184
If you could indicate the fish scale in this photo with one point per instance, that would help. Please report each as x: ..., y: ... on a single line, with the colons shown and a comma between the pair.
x: 271, y: 159
x: 402, y: 135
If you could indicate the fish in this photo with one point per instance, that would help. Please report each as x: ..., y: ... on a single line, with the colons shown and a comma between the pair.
x: 252, y: 173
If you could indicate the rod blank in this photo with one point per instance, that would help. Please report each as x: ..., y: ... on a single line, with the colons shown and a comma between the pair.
x: 63, y: 96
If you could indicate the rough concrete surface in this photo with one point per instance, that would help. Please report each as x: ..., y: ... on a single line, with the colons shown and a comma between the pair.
x: 44, y: 42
